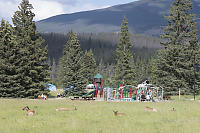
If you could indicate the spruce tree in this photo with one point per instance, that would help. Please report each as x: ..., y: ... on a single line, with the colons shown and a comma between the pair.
x: 9, y: 76
x: 89, y: 66
x: 60, y: 74
x: 72, y: 66
x: 174, y: 66
x: 33, y: 54
x: 124, y: 71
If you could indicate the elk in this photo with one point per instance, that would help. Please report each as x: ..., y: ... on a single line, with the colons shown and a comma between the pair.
x: 150, y: 109
x: 29, y: 112
x: 118, y: 114
x: 65, y: 109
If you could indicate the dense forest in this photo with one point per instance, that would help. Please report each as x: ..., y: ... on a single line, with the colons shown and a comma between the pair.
x: 104, y: 47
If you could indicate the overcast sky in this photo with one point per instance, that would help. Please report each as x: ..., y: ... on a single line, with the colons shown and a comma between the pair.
x: 47, y: 8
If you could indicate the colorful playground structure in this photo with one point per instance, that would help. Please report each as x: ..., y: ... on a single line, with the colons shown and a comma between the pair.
x: 97, y: 87
x: 118, y: 92
x: 142, y: 92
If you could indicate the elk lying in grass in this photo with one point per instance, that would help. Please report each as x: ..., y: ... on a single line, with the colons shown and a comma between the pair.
x: 118, y: 114
x: 150, y: 109
x: 29, y: 112
x: 65, y: 109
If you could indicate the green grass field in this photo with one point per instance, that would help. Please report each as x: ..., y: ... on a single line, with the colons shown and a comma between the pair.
x: 98, y: 117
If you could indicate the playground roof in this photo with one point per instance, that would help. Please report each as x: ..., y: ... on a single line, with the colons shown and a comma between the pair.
x: 98, y: 76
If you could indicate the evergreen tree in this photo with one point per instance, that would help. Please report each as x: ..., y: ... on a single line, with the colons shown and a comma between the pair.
x: 124, y: 71
x: 141, y: 70
x: 72, y: 66
x: 33, y: 66
x: 174, y: 66
x: 89, y: 66
x: 9, y: 76
x: 60, y: 74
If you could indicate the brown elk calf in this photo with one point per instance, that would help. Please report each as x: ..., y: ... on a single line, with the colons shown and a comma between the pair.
x: 118, y: 114
x: 29, y: 112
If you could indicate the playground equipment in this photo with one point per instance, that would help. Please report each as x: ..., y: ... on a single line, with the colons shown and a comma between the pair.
x: 107, y: 94
x: 92, y: 93
x: 143, y: 92
x: 148, y: 92
x: 98, y: 83
x: 123, y: 92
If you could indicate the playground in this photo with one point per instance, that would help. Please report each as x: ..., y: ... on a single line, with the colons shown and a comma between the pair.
x: 96, y: 116
x: 121, y: 92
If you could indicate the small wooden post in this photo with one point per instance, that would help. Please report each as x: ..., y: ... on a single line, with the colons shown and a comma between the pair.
x: 162, y: 93
x: 179, y: 94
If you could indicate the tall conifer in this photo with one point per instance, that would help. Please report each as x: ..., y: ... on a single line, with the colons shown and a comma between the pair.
x: 72, y: 67
x: 9, y: 54
x: 174, y: 67
x: 32, y: 63
x: 124, y: 72
x: 89, y: 66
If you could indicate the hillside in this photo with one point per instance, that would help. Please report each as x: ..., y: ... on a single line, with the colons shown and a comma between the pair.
x: 144, y: 16
x: 102, y: 44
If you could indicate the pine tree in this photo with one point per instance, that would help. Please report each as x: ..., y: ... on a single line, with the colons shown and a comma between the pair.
x: 174, y: 65
x: 9, y: 76
x: 89, y: 66
x: 124, y: 71
x: 72, y: 66
x: 33, y: 54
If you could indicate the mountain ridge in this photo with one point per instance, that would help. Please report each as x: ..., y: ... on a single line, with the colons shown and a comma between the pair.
x: 144, y: 16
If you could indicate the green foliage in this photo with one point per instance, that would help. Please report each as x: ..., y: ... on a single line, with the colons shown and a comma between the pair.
x: 89, y: 66
x: 142, y: 69
x: 28, y: 56
x: 71, y: 66
x: 124, y: 69
x: 175, y: 64
x: 9, y: 76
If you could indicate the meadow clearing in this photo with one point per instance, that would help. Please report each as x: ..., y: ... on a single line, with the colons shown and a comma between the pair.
x: 94, y: 116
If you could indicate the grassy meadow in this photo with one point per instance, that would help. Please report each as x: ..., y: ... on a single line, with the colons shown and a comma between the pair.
x: 98, y: 117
